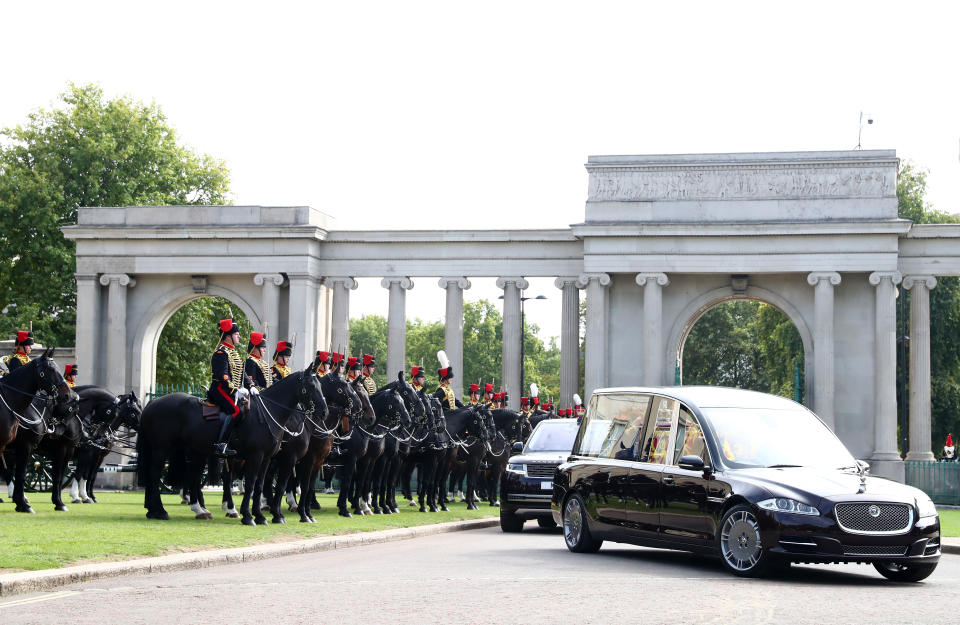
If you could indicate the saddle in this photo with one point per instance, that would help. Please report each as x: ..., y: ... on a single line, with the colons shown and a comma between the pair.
x: 212, y: 412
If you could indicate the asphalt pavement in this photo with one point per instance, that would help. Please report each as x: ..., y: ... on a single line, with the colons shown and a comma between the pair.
x: 484, y: 576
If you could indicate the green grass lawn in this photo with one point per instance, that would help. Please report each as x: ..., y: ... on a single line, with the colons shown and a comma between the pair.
x: 117, y: 529
x: 950, y: 523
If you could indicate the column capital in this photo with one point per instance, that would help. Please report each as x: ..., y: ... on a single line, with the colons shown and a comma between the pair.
x: 660, y: 278
x: 460, y: 281
x: 878, y: 276
x: 404, y: 282
x: 276, y: 278
x: 564, y: 281
x: 817, y: 276
x: 346, y: 281
x: 928, y: 281
x: 121, y: 278
x: 603, y: 279
x: 518, y: 281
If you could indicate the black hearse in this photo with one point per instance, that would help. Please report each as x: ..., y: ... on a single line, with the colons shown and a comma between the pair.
x: 757, y: 480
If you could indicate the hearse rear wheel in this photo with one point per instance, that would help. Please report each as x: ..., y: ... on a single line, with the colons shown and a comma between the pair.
x: 576, y: 532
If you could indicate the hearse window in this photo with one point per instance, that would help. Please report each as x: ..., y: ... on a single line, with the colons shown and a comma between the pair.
x: 611, y: 426
x: 689, y: 440
x: 657, y: 437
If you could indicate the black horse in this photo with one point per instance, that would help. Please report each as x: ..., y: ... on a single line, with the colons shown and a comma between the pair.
x: 175, y: 423
x: 103, y: 414
x: 392, y: 417
x: 423, y: 452
x: 22, y: 424
x: 60, y: 443
x: 510, y: 428
x: 471, y: 429
x: 396, y: 445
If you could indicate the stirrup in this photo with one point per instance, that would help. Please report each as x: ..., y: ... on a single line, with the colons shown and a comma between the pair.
x: 220, y: 449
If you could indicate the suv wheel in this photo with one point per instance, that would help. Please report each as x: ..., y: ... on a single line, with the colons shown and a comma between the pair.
x: 741, y: 544
x: 509, y: 522
x: 576, y: 532
x: 904, y: 572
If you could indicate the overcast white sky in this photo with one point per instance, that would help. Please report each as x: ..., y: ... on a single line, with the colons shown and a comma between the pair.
x: 461, y: 115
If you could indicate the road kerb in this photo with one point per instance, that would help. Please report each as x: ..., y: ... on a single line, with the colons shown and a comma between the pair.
x: 36, y: 581
x: 950, y: 545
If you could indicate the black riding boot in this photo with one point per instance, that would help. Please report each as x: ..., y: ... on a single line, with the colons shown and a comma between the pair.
x: 226, y: 427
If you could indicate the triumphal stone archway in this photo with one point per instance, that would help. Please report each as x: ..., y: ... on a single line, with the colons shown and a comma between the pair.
x: 664, y: 238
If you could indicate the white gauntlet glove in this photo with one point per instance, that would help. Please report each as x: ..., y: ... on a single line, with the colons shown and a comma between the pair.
x: 242, y: 394
x: 254, y: 390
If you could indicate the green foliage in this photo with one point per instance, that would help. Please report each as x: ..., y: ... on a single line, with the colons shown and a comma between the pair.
x: 944, y: 314
x: 482, y: 348
x: 368, y: 335
x: 744, y: 344
x: 89, y: 151
x: 189, y: 338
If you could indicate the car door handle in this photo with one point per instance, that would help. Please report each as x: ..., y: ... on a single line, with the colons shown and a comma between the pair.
x: 667, y: 479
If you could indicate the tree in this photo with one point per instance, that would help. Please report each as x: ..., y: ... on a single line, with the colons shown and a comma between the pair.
x: 944, y: 312
x: 89, y: 151
x: 189, y: 338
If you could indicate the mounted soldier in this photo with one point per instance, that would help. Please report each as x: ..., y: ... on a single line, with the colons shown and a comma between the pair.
x: 70, y: 375
x: 227, y: 387
x: 525, y: 406
x: 23, y: 345
x: 366, y: 376
x: 418, y: 377
x: 353, y: 368
x: 474, y: 394
x: 255, y: 367
x: 281, y: 360
x: 323, y: 360
x: 444, y: 393
x: 488, y: 393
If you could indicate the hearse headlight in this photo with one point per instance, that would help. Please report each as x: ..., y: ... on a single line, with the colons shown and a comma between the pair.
x: 517, y: 468
x: 782, y: 504
x: 925, y: 507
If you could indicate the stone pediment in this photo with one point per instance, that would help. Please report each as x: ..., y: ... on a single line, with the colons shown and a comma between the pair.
x: 767, y: 186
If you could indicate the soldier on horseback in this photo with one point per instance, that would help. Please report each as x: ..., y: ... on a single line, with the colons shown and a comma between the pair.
x: 255, y: 368
x: 281, y: 360
x: 70, y: 375
x: 323, y: 360
x: 353, y: 368
x: 488, y: 393
x: 21, y: 355
x: 444, y: 393
x: 366, y: 375
x: 474, y: 394
x: 418, y: 378
x: 227, y: 388
x: 525, y: 406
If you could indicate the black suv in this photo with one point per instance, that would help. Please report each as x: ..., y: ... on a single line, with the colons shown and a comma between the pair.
x: 527, y: 485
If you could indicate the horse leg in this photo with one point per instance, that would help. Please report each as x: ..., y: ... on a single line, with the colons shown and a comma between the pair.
x: 154, y: 503
x: 303, y: 474
x: 471, y: 476
x: 284, y: 471
x: 250, y: 467
x: 22, y: 454
x: 261, y: 476
x: 346, y: 482
x: 60, y: 457
x: 227, y: 497
x: 376, y: 473
x: 194, y: 478
x: 393, y: 474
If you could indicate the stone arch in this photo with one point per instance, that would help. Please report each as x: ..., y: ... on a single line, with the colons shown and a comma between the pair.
x: 144, y: 348
x: 699, y: 306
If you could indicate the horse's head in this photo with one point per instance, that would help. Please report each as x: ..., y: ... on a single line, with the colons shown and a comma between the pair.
x: 410, y: 397
x: 50, y: 379
x: 128, y: 411
x: 489, y: 427
x: 67, y: 407
x: 393, y: 408
x: 311, y: 394
x: 366, y: 413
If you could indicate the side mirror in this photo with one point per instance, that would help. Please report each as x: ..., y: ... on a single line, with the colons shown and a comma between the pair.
x: 517, y: 447
x: 692, y: 463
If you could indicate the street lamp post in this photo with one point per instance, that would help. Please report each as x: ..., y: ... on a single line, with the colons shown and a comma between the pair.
x: 523, y: 336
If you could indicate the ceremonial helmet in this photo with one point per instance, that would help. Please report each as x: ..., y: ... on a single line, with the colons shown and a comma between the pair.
x: 323, y: 358
x: 417, y: 372
x: 257, y: 339
x: 353, y: 363
x: 949, y: 440
x: 474, y: 388
x: 24, y: 337
x: 284, y: 348
x: 227, y: 326
x: 336, y: 359
x: 488, y: 388
x: 69, y: 370
x: 369, y: 360
x: 445, y: 374
x: 524, y: 401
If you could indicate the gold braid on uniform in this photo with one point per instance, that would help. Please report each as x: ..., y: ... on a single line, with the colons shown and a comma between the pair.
x: 449, y: 398
x: 370, y: 385
x: 265, y: 368
x: 283, y: 370
x: 23, y: 358
x: 236, y: 368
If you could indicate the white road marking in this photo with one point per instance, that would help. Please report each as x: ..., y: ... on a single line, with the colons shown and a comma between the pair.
x: 48, y: 597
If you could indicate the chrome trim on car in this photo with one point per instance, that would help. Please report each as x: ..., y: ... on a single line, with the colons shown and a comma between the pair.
x: 870, y: 507
x: 522, y: 497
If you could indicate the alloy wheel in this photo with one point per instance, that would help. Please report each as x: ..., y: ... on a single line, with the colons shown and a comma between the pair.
x: 740, y: 541
x: 572, y: 522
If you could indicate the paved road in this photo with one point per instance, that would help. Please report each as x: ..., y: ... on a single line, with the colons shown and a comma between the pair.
x: 483, y: 576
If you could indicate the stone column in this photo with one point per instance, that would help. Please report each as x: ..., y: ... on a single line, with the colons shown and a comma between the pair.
x: 920, y: 428
x: 340, y: 322
x: 595, y: 367
x: 886, y: 458
x: 88, y: 327
x: 512, y: 290
x: 823, y: 344
x: 396, y: 324
x: 652, y: 283
x: 271, y: 283
x: 569, y: 340
x: 453, y: 329
x: 117, y: 283
x: 301, y: 320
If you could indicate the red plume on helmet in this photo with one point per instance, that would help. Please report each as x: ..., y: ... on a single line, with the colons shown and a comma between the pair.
x: 369, y: 360
x: 353, y: 362
x: 257, y: 339
x: 416, y: 371
x: 524, y: 401
x: 69, y: 370
x: 283, y: 349
x: 488, y: 388
x: 949, y: 440
x: 227, y: 326
x: 474, y: 388
x: 323, y: 357
x: 445, y: 372
x: 24, y: 337
x: 336, y: 358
